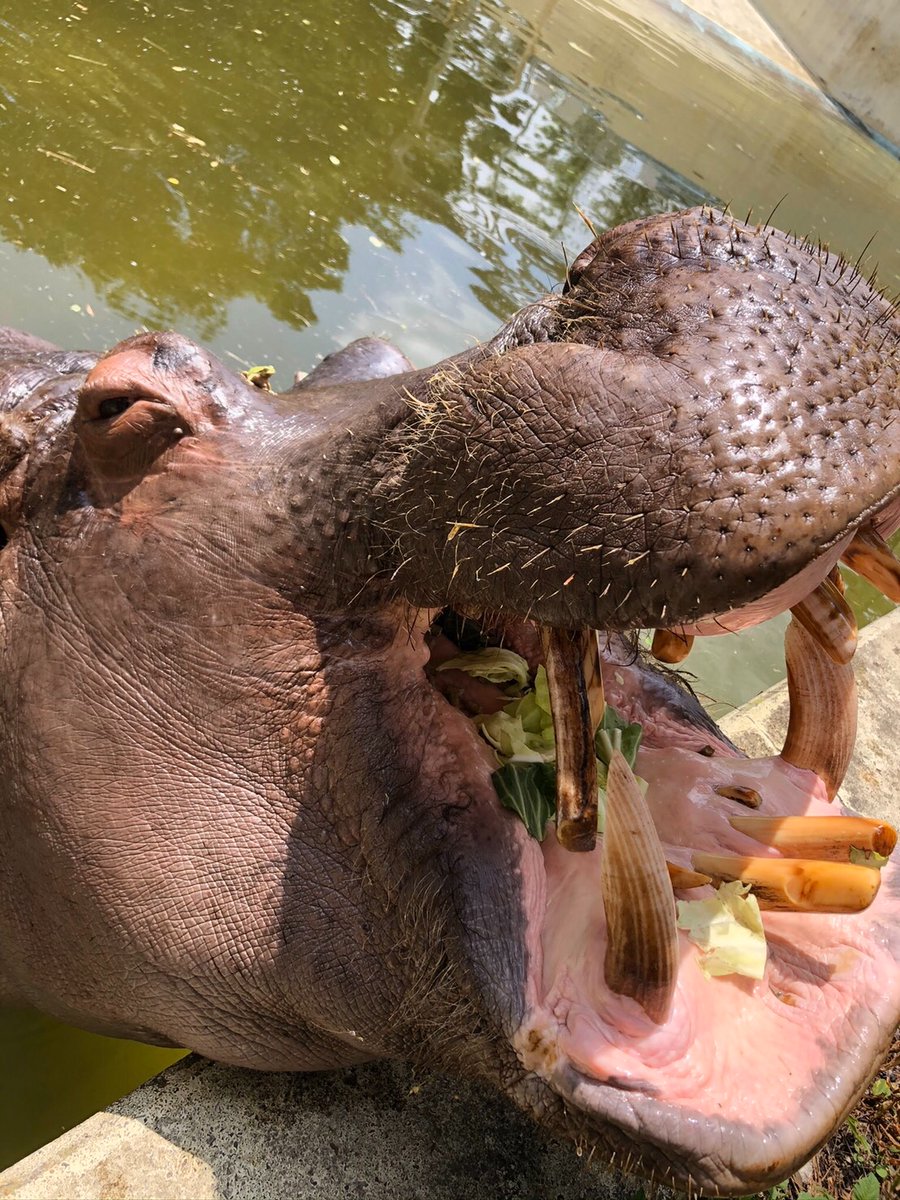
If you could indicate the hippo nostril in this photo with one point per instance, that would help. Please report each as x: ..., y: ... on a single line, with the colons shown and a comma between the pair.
x: 112, y: 406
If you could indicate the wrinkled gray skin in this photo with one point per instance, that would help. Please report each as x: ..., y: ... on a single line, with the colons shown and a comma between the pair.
x: 233, y: 814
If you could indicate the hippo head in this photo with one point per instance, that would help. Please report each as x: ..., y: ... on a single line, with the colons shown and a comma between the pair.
x: 244, y: 810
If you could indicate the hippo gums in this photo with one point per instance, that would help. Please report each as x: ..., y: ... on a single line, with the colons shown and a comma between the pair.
x: 251, y: 803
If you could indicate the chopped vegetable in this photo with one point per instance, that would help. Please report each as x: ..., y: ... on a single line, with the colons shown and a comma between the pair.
x: 728, y: 930
x: 521, y: 733
x: 523, y: 730
x: 868, y: 858
x: 529, y: 790
x: 512, y: 740
x: 494, y: 664
x: 628, y: 743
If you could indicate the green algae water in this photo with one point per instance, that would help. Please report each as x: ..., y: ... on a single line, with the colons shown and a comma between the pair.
x: 276, y: 180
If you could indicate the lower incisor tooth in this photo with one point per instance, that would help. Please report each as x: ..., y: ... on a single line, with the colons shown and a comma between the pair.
x: 829, y: 839
x: 642, y: 941
x: 683, y: 878
x: 795, y: 884
x: 822, y: 723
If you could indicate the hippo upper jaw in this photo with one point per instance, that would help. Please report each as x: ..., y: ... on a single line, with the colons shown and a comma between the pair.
x: 704, y: 412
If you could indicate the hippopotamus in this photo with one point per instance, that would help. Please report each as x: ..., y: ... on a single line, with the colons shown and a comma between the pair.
x: 242, y: 810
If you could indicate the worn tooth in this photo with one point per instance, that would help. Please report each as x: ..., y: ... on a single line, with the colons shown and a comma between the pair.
x: 565, y: 652
x: 838, y: 579
x: 671, y: 647
x: 749, y: 797
x: 822, y: 724
x: 683, y: 879
x: 830, y: 619
x: 593, y: 679
x: 642, y: 946
x: 869, y: 555
x: 797, y: 884
x: 824, y: 838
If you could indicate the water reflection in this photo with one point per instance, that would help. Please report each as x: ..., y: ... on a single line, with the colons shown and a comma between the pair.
x: 182, y: 158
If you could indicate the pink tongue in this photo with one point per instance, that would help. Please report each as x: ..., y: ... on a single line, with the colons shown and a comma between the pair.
x: 733, y: 1048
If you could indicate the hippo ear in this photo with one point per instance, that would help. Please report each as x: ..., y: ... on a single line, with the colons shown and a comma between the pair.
x: 122, y: 425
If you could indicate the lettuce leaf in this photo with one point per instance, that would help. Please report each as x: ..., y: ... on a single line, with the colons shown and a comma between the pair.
x: 621, y: 734
x: 868, y: 858
x: 522, y: 735
x: 529, y: 790
x: 512, y: 741
x: 728, y: 930
x: 494, y: 664
x: 523, y: 730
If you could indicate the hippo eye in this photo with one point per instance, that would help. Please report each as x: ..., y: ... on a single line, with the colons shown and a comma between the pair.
x: 112, y: 406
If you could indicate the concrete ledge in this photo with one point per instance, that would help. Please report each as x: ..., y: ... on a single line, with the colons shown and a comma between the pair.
x: 108, y: 1156
x: 210, y: 1132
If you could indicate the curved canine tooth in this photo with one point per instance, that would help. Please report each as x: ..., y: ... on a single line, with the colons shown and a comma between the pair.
x: 565, y: 652
x: 822, y: 726
x: 822, y: 838
x: 869, y: 555
x: 671, y: 647
x: 830, y: 619
x: 796, y: 884
x: 642, y: 946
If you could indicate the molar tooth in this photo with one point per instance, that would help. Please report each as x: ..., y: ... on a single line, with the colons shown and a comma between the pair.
x: 565, y: 652
x: 671, y: 647
x: 822, y: 724
x: 824, y: 838
x: 642, y: 947
x: 869, y: 555
x: 749, y: 797
x: 795, y: 884
x: 830, y: 619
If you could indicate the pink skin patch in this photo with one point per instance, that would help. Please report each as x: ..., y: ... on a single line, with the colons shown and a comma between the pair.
x: 732, y: 1049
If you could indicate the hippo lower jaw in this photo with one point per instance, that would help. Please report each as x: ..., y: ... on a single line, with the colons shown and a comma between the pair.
x: 742, y: 1080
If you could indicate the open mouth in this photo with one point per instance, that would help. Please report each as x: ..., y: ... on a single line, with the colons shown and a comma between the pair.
x: 723, y: 1081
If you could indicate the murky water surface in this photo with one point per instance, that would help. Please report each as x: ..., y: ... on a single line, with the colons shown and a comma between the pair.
x: 277, y: 180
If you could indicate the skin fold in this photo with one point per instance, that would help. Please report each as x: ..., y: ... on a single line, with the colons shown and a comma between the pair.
x: 235, y: 812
